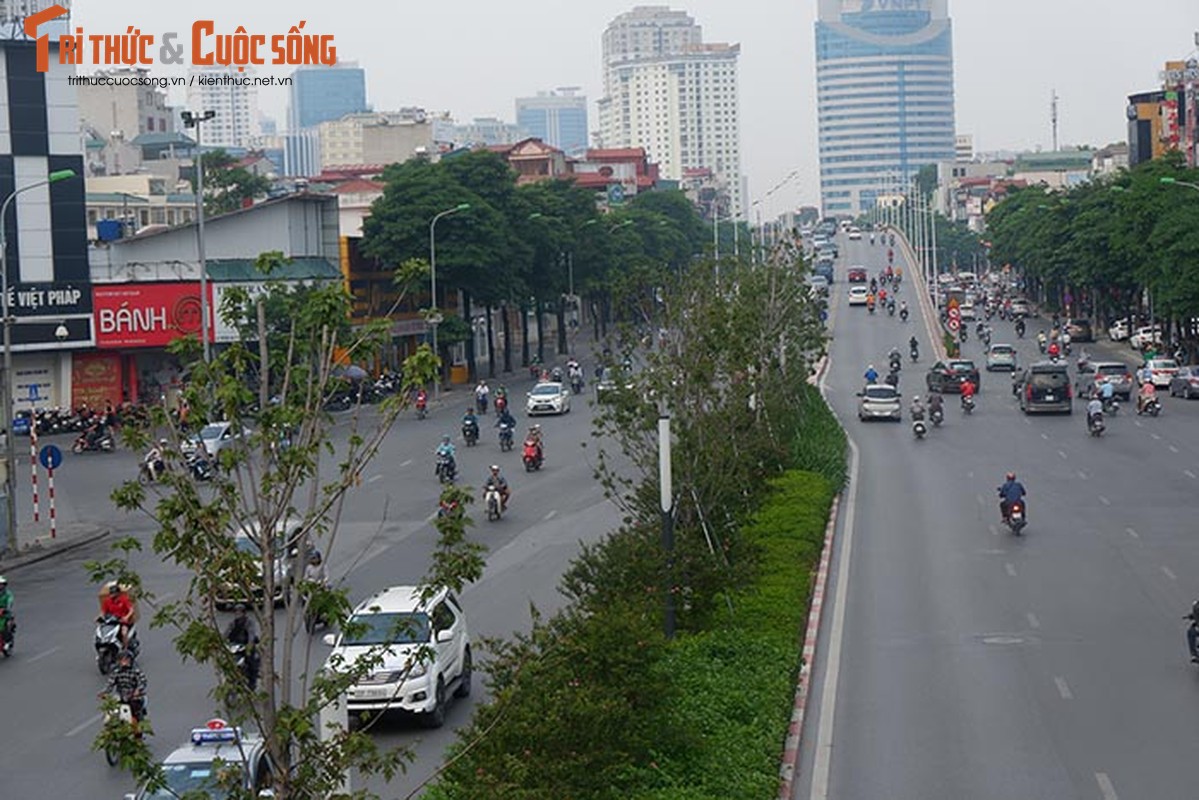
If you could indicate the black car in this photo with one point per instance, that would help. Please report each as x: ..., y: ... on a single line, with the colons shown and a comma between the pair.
x: 948, y: 376
x: 1080, y: 330
x: 1045, y: 388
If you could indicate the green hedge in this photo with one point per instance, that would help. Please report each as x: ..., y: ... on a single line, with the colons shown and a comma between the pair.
x: 737, y: 681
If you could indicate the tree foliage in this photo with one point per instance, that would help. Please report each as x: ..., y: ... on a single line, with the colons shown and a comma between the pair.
x: 228, y: 186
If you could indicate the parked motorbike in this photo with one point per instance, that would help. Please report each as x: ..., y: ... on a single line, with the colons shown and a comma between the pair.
x: 108, y: 642
x: 103, y: 443
x: 532, y: 456
x: 505, y: 437
x: 493, y: 503
x: 446, y: 471
x: 470, y: 433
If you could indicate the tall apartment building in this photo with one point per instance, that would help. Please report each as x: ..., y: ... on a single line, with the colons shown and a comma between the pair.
x: 558, y: 118
x: 220, y: 89
x: 669, y: 92
x: 884, y: 87
x: 320, y: 94
x: 375, y: 138
x: 127, y: 106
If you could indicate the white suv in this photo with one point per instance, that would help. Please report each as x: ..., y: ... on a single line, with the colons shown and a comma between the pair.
x: 425, y: 648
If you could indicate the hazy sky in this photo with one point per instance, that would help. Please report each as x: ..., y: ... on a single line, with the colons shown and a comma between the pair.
x: 474, y: 57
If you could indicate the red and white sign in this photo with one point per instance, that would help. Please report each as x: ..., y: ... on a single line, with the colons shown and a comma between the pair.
x: 146, y: 314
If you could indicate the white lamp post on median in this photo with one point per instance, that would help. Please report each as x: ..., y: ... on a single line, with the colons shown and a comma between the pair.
x: 435, y: 314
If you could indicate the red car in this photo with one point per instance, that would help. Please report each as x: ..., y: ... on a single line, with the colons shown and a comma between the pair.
x: 857, y: 275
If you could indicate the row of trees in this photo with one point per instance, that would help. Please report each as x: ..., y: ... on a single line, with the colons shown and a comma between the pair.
x: 1128, y: 245
x: 527, y: 246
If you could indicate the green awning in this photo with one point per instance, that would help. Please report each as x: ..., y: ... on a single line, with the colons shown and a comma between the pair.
x: 301, y: 268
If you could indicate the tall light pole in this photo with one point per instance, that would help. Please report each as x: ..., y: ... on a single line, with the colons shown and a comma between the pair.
x: 666, y: 506
x: 10, y: 444
x: 196, y: 120
x: 435, y: 315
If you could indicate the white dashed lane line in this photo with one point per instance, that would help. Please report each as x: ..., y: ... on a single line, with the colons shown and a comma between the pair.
x: 1062, y: 453
x: 1104, y: 500
x: 1105, y: 786
x: 1189, y: 474
x: 83, y: 726
x: 1063, y: 688
x: 1173, y: 449
x: 1133, y: 533
x: 1010, y: 569
x: 1156, y: 436
x: 553, y: 513
x: 1045, y: 436
x: 1033, y: 622
x: 1169, y: 573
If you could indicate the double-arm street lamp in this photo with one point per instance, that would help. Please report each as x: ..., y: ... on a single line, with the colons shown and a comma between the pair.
x: 434, y: 313
x: 196, y: 120
x: 10, y: 445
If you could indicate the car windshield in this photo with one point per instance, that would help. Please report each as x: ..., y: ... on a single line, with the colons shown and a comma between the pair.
x: 212, y: 431
x: 196, y: 776
x: 1001, y: 350
x: 1112, y: 369
x: 1049, y: 380
x: 880, y: 393
x: 549, y: 389
x: 961, y: 366
x: 245, y: 544
x: 1163, y: 363
x: 410, y: 627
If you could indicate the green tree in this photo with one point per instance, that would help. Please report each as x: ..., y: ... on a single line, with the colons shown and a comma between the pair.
x: 228, y: 186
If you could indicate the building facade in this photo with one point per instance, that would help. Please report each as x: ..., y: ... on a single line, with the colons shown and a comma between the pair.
x: 375, y: 138
x: 220, y: 89
x: 320, y: 94
x: 669, y: 92
x: 885, y: 104
x: 558, y: 118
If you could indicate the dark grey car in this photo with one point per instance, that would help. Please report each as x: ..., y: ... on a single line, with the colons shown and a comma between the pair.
x: 1185, y: 383
x: 1045, y: 388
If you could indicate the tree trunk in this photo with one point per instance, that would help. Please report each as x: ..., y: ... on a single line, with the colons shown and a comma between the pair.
x: 490, y: 346
x: 595, y: 317
x: 524, y: 335
x: 470, y: 338
x: 562, y: 348
x: 540, y: 332
x: 506, y: 317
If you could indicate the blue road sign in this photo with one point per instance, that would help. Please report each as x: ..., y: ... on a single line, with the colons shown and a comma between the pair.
x: 50, y: 456
x: 33, y: 395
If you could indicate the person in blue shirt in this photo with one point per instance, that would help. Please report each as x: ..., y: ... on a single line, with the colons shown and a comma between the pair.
x: 446, y: 450
x: 1012, y: 491
x: 469, y: 420
x: 1107, y: 391
x: 871, y: 375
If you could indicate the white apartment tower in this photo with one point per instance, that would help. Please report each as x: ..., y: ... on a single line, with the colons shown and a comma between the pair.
x: 667, y: 91
x: 221, y: 89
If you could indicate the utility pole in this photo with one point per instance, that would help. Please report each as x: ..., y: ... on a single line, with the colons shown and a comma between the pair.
x: 1053, y: 98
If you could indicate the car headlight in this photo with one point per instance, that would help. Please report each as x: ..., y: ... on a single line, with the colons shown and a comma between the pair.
x: 418, y: 670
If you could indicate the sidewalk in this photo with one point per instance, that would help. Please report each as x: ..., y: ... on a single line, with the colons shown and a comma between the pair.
x: 36, y: 544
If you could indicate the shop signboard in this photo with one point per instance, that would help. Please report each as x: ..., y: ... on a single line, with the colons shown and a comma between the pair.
x: 132, y: 315
x: 95, y: 379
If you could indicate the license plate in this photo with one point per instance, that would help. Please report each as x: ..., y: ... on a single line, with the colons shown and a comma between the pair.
x: 1050, y: 397
x: 371, y: 694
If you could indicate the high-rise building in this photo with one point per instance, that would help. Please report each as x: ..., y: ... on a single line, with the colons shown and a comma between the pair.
x: 221, y: 89
x: 884, y: 87
x: 128, y: 106
x: 667, y: 91
x: 557, y: 118
x: 320, y: 94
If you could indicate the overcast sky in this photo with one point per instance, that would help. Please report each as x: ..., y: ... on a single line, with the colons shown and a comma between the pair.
x: 474, y: 57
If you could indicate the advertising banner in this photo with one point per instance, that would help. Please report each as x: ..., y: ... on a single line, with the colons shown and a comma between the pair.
x: 95, y: 379
x: 146, y: 314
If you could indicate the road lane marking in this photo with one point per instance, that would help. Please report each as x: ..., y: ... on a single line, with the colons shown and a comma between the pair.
x: 1137, y: 422
x: 822, y: 763
x: 83, y: 726
x: 1010, y: 569
x: 1170, y: 573
x: 994, y: 530
x: 1033, y: 622
x: 981, y: 500
x: 43, y: 654
x: 1173, y: 449
x: 1045, y: 436
x: 1062, y: 453
x: 1104, y: 500
x: 1133, y: 533
x: 1063, y: 688
x: 551, y: 514
x: 1082, y: 474
x: 1156, y: 436
x: 406, y: 463
x: 375, y: 478
x: 1189, y: 474
x: 1105, y: 786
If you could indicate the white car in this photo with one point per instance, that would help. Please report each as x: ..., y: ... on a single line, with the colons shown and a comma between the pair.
x: 967, y: 312
x: 1144, y: 337
x: 215, y: 436
x: 218, y: 757
x: 548, y: 398
x: 1162, y: 371
x: 425, y: 650
x: 1119, y: 331
x: 858, y: 295
x: 855, y: 234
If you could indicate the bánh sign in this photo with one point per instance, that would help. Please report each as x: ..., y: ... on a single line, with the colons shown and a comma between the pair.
x: 146, y: 314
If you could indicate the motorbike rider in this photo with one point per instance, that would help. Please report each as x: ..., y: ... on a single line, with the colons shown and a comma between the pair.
x: 243, y: 631
x: 1107, y: 393
x: 936, y: 404
x: 870, y: 303
x: 968, y: 390
x: 894, y: 356
x: 903, y: 309
x: 154, y: 459
x: 447, y: 451
x: 128, y: 684
x: 422, y: 398
x: 1094, y: 411
x: 914, y: 347
x: 1146, y: 395
x: 117, y: 603
x: 482, y: 392
x: 917, y: 409
x: 469, y: 420
x: 892, y: 378
x: 496, y: 478
x: 1020, y: 327
x: 505, y: 418
x: 95, y: 432
x: 534, y: 437
x: 1193, y: 632
x: 871, y: 375
x: 8, y: 622
x: 1054, y: 350
x: 1012, y: 491
x: 1041, y: 340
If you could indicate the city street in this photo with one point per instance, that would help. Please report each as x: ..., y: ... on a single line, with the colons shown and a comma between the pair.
x: 959, y: 661
x: 50, y: 683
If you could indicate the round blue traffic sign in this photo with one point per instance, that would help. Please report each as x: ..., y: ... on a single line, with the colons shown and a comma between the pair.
x: 50, y: 456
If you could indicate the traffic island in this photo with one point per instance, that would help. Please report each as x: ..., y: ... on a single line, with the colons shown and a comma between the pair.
x: 37, y: 544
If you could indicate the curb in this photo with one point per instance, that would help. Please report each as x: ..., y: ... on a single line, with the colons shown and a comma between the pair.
x: 38, y: 551
x: 818, y: 373
x: 790, y: 763
x: 926, y: 303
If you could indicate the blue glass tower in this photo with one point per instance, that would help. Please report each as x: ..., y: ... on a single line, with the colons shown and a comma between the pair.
x: 556, y: 118
x: 884, y: 88
x: 320, y: 94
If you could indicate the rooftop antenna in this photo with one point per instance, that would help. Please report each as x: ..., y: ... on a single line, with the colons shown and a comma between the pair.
x: 1053, y: 98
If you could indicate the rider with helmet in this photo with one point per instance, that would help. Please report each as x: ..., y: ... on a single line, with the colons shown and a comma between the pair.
x: 127, y: 683
x: 871, y: 375
x: 496, y: 478
x: 447, y: 451
x: 1012, y: 491
x: 8, y: 622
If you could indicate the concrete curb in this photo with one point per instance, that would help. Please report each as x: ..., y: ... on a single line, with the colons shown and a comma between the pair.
x: 926, y: 303
x: 43, y: 549
x: 791, y: 746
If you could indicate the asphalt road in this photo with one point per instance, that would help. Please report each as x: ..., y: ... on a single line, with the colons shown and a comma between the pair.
x: 968, y: 663
x: 48, y: 687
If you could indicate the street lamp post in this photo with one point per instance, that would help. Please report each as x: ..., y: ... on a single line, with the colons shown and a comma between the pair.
x: 196, y: 120
x: 435, y: 315
x: 10, y: 444
x: 666, y: 506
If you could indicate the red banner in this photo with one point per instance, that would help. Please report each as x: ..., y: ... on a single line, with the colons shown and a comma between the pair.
x: 146, y: 314
x: 95, y: 379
